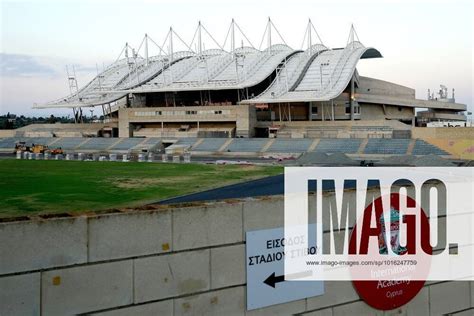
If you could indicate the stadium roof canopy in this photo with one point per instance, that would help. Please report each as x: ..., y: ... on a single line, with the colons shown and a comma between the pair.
x: 315, y: 74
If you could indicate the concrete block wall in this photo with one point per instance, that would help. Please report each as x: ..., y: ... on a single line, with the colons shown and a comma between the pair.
x: 183, y: 260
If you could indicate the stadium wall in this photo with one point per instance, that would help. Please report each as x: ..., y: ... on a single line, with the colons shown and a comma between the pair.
x: 7, y: 133
x: 450, y: 133
x: 243, y: 116
x: 458, y: 141
x: 138, y: 262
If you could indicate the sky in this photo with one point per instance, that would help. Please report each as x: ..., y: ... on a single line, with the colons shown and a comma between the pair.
x: 424, y: 43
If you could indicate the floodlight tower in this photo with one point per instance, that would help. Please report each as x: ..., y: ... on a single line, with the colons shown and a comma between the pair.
x: 74, y: 89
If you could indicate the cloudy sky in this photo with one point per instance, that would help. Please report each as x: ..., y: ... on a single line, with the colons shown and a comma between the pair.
x: 424, y: 43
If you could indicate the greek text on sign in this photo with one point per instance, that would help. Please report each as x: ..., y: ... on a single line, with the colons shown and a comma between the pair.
x: 265, y: 257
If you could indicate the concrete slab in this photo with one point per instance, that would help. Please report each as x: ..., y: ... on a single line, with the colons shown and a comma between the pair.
x: 35, y: 245
x: 216, y: 224
x: 87, y: 288
x: 223, y: 302
x: 128, y: 235
x: 356, y: 308
x: 321, y: 312
x: 20, y: 295
x: 171, y: 275
x: 420, y: 305
x: 336, y: 292
x: 472, y: 293
x: 151, y: 309
x: 227, y: 266
x: 290, y: 308
x: 263, y: 213
x: 449, y: 297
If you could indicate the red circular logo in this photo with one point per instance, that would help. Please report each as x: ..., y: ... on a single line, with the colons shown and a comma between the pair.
x: 404, y: 282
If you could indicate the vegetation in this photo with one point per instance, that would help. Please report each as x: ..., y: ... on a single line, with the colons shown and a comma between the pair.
x: 12, y: 121
x: 30, y: 187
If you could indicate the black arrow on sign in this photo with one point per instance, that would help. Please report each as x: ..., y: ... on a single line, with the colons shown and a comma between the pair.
x: 272, y: 280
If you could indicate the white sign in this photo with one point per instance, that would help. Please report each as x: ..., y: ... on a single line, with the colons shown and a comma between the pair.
x: 266, y: 283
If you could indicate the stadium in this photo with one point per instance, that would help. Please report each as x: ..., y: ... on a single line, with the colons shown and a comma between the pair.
x: 247, y: 92
x: 87, y: 231
x: 277, y: 99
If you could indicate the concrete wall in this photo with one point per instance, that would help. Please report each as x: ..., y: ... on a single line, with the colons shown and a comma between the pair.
x: 7, y: 132
x: 450, y: 133
x: 165, y: 261
x: 243, y: 116
x: 379, y: 112
x: 459, y: 148
x: 379, y: 87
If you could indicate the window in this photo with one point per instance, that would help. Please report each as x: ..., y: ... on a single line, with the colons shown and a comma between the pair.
x: 149, y: 113
x: 348, y: 108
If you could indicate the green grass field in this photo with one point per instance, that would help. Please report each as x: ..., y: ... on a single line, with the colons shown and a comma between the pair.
x: 38, y: 187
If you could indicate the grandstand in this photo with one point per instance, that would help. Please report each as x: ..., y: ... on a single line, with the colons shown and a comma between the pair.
x: 210, y: 144
x: 247, y: 145
x: 247, y: 91
x: 347, y: 146
x: 256, y: 147
x: 69, y: 143
x: 290, y: 145
x: 424, y: 148
x: 387, y: 146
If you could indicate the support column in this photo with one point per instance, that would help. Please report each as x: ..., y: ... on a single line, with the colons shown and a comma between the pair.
x: 332, y: 109
x: 352, y: 98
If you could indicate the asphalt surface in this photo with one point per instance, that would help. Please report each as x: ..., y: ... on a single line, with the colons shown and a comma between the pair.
x: 273, y: 185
